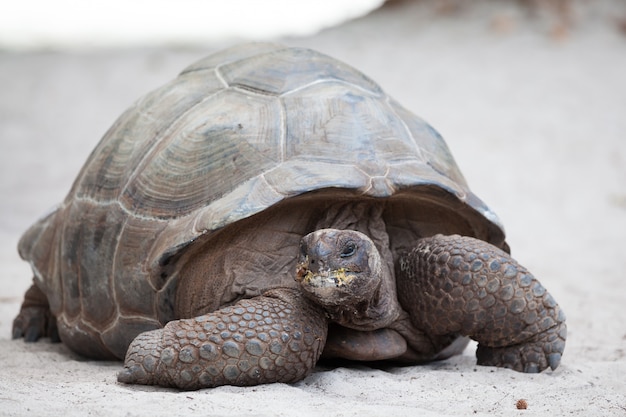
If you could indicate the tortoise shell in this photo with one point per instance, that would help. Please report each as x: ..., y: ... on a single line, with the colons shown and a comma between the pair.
x: 232, y: 136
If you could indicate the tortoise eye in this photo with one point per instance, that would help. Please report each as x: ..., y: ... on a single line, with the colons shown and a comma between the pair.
x: 348, y: 250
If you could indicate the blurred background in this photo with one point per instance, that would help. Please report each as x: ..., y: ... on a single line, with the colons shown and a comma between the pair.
x: 74, y: 24
x: 61, y: 24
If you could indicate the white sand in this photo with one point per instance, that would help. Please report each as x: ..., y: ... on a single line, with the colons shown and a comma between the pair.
x: 536, y: 122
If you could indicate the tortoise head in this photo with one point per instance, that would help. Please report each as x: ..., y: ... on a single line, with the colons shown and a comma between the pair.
x: 342, y: 271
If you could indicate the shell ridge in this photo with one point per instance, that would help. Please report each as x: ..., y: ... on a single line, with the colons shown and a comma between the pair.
x: 406, y: 128
x: 64, y: 288
x: 71, y: 322
x: 383, y: 188
x: 36, y: 273
x: 131, y: 213
x: 332, y: 81
x: 27, y: 243
x: 248, y: 89
x: 220, y: 77
x: 58, y: 264
x: 208, y: 219
x: 118, y: 203
x: 117, y: 313
x: 283, y: 130
x: 131, y: 317
x: 270, y: 186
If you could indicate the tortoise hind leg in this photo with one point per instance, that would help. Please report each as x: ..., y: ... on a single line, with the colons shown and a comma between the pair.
x: 460, y: 285
x: 35, y: 320
x: 276, y: 337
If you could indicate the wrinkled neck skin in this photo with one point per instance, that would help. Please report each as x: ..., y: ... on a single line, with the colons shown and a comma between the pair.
x: 381, y: 309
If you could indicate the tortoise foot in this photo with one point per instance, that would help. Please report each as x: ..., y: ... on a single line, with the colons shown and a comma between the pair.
x: 35, y: 320
x: 277, y: 337
x: 533, y: 356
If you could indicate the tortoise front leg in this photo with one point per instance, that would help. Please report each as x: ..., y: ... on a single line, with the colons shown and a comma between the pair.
x: 277, y: 337
x: 460, y: 285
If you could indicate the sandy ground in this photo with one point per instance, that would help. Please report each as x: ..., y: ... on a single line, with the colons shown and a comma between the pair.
x: 535, y: 115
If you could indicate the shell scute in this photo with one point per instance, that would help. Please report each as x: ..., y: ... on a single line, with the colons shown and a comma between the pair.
x: 137, y: 240
x: 90, y: 236
x: 218, y: 145
x: 133, y: 138
x: 336, y: 124
x: 82, y: 338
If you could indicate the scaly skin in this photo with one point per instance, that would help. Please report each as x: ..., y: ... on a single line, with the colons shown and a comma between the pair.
x: 277, y: 337
x: 460, y: 285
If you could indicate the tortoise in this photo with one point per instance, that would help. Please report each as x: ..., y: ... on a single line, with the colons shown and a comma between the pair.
x: 269, y: 207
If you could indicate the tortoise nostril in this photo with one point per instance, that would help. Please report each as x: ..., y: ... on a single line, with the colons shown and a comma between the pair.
x: 316, y: 264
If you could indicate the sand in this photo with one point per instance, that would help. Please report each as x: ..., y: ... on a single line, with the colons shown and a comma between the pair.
x: 534, y: 110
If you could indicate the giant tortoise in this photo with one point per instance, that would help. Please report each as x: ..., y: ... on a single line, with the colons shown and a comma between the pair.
x: 269, y: 207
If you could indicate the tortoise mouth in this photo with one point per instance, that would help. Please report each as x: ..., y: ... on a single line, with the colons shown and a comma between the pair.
x: 332, y: 287
x: 335, y: 278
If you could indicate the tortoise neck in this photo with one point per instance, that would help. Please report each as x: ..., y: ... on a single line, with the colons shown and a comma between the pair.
x: 366, y: 216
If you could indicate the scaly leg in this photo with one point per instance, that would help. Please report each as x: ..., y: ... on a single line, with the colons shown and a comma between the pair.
x: 460, y: 285
x: 276, y: 337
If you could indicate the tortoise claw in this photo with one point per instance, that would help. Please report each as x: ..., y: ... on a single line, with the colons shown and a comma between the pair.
x: 33, y: 323
x: 32, y: 334
x: 554, y: 360
x: 132, y: 375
